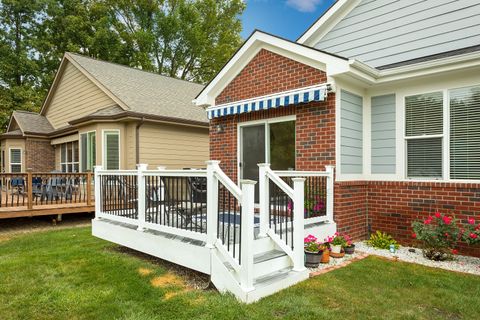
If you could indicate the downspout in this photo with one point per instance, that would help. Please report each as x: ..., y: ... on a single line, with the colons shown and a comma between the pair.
x: 137, y: 140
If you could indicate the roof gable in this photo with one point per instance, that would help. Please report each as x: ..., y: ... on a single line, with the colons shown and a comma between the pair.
x: 259, y: 40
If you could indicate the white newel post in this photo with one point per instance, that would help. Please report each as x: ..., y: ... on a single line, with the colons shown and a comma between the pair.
x: 330, y: 191
x: 298, y: 223
x: 98, y: 200
x: 212, y: 202
x: 141, y: 196
x: 264, y: 193
x: 247, y: 235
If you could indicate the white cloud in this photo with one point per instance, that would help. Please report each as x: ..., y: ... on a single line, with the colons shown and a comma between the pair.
x: 304, y: 5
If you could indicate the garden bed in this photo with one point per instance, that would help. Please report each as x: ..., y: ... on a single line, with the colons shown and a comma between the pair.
x: 460, y: 263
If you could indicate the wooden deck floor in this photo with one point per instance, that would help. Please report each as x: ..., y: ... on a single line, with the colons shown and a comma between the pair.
x: 45, y: 210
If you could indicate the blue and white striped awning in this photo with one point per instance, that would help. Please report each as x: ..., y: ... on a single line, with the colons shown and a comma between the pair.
x: 277, y: 100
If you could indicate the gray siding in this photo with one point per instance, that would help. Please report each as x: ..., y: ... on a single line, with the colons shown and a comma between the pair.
x: 383, y: 134
x: 351, y: 132
x: 382, y: 32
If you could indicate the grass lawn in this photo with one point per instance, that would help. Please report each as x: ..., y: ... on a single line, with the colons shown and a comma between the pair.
x: 68, y: 274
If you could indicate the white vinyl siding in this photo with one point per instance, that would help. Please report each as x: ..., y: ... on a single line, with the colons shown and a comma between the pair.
x: 111, y: 142
x: 424, y: 134
x: 383, y: 134
x: 385, y: 32
x: 15, y: 160
x: 351, y: 109
x: 465, y: 133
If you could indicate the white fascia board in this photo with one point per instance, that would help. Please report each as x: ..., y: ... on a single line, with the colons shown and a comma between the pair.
x: 258, y: 41
x: 327, y: 22
x: 372, y: 76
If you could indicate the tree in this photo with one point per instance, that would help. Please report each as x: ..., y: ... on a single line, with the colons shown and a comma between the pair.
x: 19, y: 70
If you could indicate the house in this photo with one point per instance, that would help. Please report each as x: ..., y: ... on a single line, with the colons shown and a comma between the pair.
x: 100, y: 113
x: 386, y: 91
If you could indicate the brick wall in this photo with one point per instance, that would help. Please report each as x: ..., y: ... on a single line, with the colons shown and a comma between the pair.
x: 39, y: 155
x: 392, y: 206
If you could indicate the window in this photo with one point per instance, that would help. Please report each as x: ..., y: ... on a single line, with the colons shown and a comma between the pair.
x: 465, y: 133
x: 424, y: 134
x: 15, y: 160
x: 69, y: 156
x: 88, y: 151
x: 111, y: 142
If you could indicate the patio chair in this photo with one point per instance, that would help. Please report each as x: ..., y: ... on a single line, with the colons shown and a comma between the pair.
x: 185, y: 197
x: 18, y: 185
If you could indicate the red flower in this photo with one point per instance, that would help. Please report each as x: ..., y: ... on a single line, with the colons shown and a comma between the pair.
x: 446, y: 234
x: 473, y: 236
x: 428, y: 221
x: 437, y: 214
x: 471, y: 221
x: 414, y: 235
x: 454, y: 251
x: 478, y: 227
x: 447, y: 220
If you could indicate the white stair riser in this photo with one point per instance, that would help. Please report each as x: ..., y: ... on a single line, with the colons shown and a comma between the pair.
x: 263, y: 291
x: 321, y: 231
x: 263, y: 245
x: 272, y: 265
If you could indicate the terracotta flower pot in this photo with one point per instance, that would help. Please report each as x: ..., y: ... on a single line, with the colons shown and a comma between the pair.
x: 350, y: 249
x: 336, y: 248
x: 312, y: 259
x: 325, y: 256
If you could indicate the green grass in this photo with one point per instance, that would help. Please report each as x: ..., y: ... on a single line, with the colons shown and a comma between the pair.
x: 68, y: 274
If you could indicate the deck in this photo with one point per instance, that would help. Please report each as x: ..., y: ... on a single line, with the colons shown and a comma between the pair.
x: 38, y: 194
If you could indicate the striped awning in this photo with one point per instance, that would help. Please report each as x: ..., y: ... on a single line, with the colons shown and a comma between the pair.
x: 282, y: 99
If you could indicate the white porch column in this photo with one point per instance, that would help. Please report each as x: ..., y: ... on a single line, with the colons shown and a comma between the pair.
x: 247, y: 235
x: 98, y: 200
x: 141, y: 196
x: 212, y: 203
x: 264, y: 193
x: 298, y: 223
x: 330, y: 191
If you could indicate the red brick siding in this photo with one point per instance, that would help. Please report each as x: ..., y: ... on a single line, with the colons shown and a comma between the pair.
x: 350, y: 208
x: 39, y: 155
x: 392, y: 206
x: 269, y: 73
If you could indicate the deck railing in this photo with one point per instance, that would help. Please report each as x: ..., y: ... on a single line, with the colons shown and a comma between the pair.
x: 35, y: 189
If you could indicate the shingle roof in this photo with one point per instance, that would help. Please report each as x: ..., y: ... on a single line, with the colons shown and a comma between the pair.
x: 145, y: 92
x: 17, y: 132
x: 32, y: 122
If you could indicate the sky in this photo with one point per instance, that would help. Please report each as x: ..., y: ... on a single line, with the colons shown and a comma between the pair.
x: 284, y: 18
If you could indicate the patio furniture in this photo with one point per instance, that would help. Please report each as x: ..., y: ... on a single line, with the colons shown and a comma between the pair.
x: 18, y: 185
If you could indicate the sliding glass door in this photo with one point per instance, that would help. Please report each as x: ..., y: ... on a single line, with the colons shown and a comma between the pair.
x: 271, y: 141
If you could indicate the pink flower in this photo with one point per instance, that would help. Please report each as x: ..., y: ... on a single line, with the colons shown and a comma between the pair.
x: 478, y: 227
x: 471, y: 221
x: 473, y: 235
x: 446, y: 234
x: 428, y: 221
x: 309, y: 238
x: 447, y: 220
x: 437, y: 214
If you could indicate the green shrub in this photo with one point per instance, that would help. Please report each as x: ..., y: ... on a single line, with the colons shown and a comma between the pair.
x: 381, y: 240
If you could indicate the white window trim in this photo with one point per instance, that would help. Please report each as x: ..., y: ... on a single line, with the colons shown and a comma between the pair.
x: 16, y: 163
x: 80, y: 153
x: 265, y: 122
x: 72, y: 163
x: 104, y: 147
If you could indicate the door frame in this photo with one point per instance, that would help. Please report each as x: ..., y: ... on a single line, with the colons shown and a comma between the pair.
x: 265, y: 122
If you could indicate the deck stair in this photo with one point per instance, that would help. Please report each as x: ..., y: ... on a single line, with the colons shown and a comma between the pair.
x: 216, y: 233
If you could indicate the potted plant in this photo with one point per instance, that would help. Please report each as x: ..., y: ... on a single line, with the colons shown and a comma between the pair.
x: 439, y: 235
x: 349, y: 247
x: 312, y: 249
x: 338, y: 243
x: 325, y: 253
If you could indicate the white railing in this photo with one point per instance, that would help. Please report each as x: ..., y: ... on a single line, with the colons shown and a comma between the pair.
x: 288, y: 201
x: 164, y: 200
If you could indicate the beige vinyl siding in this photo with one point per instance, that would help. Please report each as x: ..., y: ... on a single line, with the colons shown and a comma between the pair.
x: 14, y: 144
x: 75, y: 96
x: 130, y: 142
x: 173, y: 146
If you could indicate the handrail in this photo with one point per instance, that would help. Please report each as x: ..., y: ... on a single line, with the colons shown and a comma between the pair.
x: 280, y: 183
x: 176, y: 173
x: 232, y: 187
x: 284, y: 173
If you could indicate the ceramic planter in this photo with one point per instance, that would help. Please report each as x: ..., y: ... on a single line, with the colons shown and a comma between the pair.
x: 312, y: 259
x: 336, y: 249
x: 325, y: 257
x: 350, y: 249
